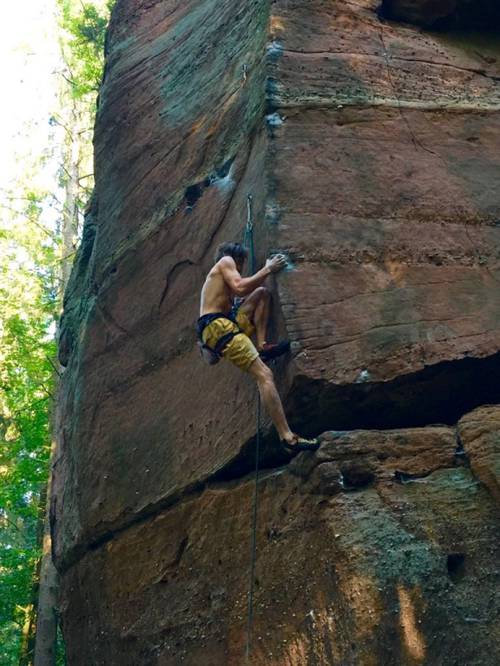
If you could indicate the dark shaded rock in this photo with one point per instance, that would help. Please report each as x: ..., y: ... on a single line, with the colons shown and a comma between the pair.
x: 455, y: 563
x: 445, y: 14
x: 421, y: 12
x: 356, y: 476
x: 326, y: 479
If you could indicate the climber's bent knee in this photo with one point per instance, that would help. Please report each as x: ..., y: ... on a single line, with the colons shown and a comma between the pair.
x: 257, y: 294
x: 249, y: 304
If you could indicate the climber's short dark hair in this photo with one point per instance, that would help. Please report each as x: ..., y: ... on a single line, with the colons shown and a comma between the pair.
x: 235, y: 250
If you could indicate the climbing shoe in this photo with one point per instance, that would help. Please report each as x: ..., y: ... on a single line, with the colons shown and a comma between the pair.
x: 301, y: 444
x: 272, y: 351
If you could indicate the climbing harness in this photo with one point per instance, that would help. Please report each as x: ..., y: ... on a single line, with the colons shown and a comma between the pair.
x: 213, y: 355
x: 249, y: 244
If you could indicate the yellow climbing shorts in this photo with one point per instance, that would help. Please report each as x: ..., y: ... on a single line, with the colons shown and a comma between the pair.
x: 240, y: 350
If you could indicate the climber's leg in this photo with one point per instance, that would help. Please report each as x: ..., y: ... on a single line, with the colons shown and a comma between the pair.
x: 261, y: 319
x: 270, y: 398
x: 255, y: 308
x: 272, y: 403
x: 253, y: 316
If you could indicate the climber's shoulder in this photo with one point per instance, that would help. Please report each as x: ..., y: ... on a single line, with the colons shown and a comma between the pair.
x: 225, y: 267
x: 225, y: 262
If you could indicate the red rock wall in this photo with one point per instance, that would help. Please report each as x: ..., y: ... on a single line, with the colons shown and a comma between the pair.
x: 371, y: 150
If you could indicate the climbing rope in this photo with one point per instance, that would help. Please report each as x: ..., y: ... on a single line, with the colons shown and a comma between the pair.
x: 248, y: 235
x: 254, y: 538
x: 249, y: 244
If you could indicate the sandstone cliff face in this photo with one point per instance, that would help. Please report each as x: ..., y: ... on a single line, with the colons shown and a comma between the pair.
x: 371, y: 151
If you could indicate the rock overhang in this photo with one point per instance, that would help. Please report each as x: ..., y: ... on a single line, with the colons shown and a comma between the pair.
x: 445, y: 15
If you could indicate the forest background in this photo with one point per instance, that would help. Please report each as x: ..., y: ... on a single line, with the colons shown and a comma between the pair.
x: 54, y: 50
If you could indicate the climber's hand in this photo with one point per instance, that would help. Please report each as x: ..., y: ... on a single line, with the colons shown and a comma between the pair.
x: 276, y: 263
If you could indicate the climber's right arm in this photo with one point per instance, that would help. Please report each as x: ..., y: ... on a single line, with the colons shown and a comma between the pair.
x: 242, y: 286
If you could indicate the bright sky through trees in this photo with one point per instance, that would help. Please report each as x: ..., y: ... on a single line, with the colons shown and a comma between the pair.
x: 29, y: 52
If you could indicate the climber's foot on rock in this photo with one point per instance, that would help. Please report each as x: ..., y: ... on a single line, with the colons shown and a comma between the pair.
x: 297, y: 443
x: 269, y: 351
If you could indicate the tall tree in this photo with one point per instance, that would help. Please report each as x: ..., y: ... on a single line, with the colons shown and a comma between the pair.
x: 27, y: 354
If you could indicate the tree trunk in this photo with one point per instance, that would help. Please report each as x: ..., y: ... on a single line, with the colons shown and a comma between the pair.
x: 46, y: 622
x: 47, y: 617
x: 28, y: 635
x: 27, y: 648
x: 70, y: 212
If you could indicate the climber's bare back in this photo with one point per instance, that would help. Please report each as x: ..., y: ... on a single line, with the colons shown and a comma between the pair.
x: 216, y: 295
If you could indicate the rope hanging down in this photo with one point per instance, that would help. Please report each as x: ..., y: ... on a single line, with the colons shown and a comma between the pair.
x: 248, y: 236
x: 254, y: 537
x: 249, y: 244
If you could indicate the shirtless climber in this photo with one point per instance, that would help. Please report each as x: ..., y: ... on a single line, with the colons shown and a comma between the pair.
x: 220, y: 316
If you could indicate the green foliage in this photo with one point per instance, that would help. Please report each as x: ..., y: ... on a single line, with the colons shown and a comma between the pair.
x: 60, y: 648
x: 84, y: 29
x: 27, y: 308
